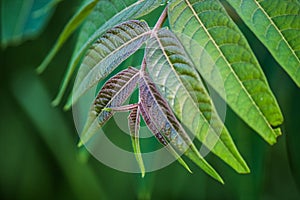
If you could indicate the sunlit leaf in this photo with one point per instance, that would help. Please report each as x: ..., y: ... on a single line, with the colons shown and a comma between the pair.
x: 107, y: 13
x: 72, y: 25
x: 277, y: 24
x: 171, y: 68
x: 108, y: 52
x: 134, y: 126
x: 242, y: 83
x: 113, y: 94
x: 163, y: 118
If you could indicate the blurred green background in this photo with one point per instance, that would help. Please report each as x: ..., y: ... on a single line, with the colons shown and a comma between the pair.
x: 39, y: 157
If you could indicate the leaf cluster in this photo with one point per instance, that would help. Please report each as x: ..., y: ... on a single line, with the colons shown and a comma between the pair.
x: 202, y: 42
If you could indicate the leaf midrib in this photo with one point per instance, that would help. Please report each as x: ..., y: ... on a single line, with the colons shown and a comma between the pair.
x: 159, y: 107
x: 228, y: 64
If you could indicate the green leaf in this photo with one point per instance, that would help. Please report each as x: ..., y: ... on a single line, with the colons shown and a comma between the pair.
x: 108, y: 52
x: 113, y: 94
x: 72, y: 25
x: 134, y: 126
x: 162, y: 117
x: 21, y: 20
x: 108, y: 14
x: 219, y: 50
x: 277, y: 24
x: 171, y: 68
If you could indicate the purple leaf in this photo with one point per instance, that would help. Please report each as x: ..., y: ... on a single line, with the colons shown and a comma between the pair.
x: 159, y: 136
x: 113, y: 94
x: 159, y: 115
x: 134, y: 126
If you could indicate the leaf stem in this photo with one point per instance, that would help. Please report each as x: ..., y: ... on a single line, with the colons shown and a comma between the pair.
x: 157, y: 26
x: 121, y: 108
x: 161, y: 19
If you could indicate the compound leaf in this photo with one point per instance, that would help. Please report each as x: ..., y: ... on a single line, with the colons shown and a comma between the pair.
x: 219, y: 50
x: 277, y: 24
x: 171, y: 68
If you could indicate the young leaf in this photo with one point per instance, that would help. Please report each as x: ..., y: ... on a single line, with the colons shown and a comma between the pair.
x: 277, y: 24
x: 72, y: 25
x: 246, y: 88
x: 162, y: 116
x: 108, y: 52
x: 107, y: 13
x: 160, y: 137
x: 134, y: 126
x: 171, y: 68
x: 113, y: 94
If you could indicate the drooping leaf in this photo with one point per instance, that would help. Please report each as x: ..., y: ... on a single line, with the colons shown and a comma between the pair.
x: 71, y: 26
x: 219, y: 49
x: 160, y: 136
x: 108, y: 52
x: 113, y: 94
x: 134, y: 126
x: 163, y: 118
x: 108, y: 14
x: 171, y: 68
x: 277, y: 24
x: 21, y: 20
